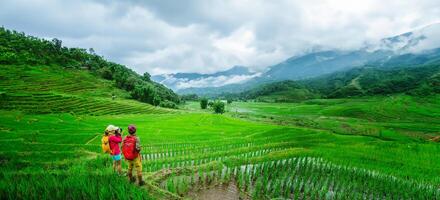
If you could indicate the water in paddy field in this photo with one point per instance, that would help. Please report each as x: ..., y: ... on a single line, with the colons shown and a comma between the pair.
x: 219, y: 192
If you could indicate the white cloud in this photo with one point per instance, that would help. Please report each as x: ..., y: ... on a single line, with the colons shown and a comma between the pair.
x: 432, y: 39
x: 213, y: 81
x: 161, y: 36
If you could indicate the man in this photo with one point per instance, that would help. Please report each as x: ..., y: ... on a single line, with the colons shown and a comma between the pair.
x: 131, y: 147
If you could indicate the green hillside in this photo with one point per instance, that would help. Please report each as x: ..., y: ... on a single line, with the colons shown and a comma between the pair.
x: 283, y: 91
x: 52, y: 89
x: 18, y: 50
x: 366, y: 81
x: 419, y: 80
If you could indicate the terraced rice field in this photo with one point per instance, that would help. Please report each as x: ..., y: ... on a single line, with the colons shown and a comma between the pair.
x: 371, y: 148
x: 185, y: 155
x: 46, y: 103
x: 36, y: 90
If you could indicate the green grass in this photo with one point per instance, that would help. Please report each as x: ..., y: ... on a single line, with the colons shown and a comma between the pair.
x: 392, y: 118
x: 51, y: 144
x: 52, y: 120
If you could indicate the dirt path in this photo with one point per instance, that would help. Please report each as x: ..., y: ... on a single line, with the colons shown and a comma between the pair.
x: 88, y: 142
x: 219, y: 192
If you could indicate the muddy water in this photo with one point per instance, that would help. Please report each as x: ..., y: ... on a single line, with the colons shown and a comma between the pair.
x: 219, y: 192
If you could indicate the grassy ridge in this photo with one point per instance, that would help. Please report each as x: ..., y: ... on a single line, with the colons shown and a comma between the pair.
x: 51, y: 79
x: 43, y: 90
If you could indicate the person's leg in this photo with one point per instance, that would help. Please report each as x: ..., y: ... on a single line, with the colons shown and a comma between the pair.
x: 130, y: 171
x: 138, y: 164
x: 114, y: 165
x: 119, y: 166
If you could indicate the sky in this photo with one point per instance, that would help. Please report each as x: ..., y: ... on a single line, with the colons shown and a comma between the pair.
x: 206, y: 36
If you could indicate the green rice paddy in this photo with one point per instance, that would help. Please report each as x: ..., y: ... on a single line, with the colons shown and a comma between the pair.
x: 365, y: 148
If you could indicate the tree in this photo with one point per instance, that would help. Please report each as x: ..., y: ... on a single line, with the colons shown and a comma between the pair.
x: 130, y: 83
x: 105, y: 73
x: 57, y: 44
x: 144, y: 93
x: 156, y: 100
x: 210, y: 104
x: 204, y: 103
x: 168, y: 104
x: 219, y: 107
x: 120, y: 79
x: 91, y: 51
x: 7, y: 57
x: 189, y: 97
x: 229, y: 101
x: 146, y: 77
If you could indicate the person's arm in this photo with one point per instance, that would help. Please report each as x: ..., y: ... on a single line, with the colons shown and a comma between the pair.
x: 138, y: 144
x: 115, y: 138
x: 118, y: 139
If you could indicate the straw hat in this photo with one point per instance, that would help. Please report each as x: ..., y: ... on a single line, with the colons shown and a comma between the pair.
x: 111, y: 128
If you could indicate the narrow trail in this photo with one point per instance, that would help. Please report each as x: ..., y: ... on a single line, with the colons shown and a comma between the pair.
x: 88, y: 142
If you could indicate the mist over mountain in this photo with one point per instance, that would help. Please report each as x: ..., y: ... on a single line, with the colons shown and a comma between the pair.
x: 420, y: 46
x: 179, y: 81
x: 416, y: 41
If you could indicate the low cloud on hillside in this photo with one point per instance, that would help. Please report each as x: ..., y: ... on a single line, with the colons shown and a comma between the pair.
x: 213, y: 81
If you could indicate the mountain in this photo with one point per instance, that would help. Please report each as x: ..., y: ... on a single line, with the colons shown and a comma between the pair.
x: 408, y: 59
x: 421, y: 46
x: 296, y: 68
x: 409, y: 48
x: 315, y: 64
x: 181, y: 81
x: 420, y: 80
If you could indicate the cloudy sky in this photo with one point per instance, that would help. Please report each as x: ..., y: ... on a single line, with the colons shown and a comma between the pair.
x: 161, y: 36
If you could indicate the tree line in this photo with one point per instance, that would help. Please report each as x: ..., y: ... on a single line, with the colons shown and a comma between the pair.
x: 217, y: 106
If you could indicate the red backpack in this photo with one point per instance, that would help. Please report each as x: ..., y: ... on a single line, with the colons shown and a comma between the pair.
x: 129, y: 148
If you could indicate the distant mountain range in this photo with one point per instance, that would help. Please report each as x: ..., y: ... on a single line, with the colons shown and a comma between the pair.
x: 181, y: 81
x: 416, y: 80
x: 421, y: 46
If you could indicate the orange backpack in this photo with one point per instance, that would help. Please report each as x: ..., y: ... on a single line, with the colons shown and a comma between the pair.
x: 105, y: 144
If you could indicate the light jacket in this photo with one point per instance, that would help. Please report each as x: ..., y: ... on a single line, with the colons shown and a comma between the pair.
x: 114, y: 141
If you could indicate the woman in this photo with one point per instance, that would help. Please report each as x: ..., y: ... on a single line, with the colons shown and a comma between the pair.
x: 114, y: 141
x: 109, y: 131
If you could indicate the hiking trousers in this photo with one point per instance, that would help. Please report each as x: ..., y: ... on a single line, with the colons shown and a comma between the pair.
x: 137, y: 163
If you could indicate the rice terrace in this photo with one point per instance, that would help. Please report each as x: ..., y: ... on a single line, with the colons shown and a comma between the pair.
x: 81, y: 117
